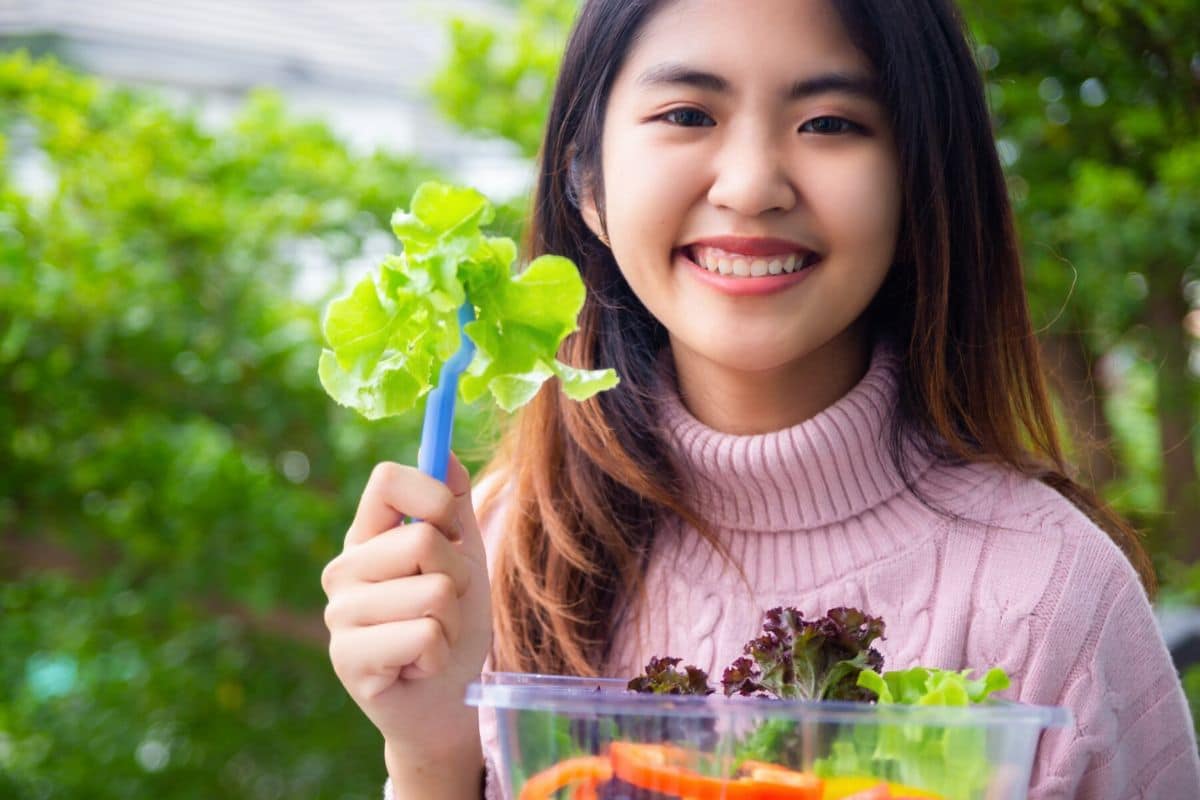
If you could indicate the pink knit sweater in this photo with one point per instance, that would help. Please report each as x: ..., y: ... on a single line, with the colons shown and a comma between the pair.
x: 1017, y: 577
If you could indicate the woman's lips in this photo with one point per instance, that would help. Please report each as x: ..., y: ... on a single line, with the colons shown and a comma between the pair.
x: 752, y: 285
x: 752, y: 246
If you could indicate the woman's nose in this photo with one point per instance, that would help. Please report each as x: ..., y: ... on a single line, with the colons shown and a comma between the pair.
x: 750, y: 177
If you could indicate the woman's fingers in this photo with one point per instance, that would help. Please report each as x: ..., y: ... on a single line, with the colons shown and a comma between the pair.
x: 370, y: 660
x: 422, y: 596
x: 409, y: 607
x: 395, y: 491
x: 417, y: 549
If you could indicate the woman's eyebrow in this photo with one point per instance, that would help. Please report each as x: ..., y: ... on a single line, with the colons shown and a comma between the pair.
x: 676, y: 74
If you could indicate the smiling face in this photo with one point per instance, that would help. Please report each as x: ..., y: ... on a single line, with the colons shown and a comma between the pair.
x: 751, y: 185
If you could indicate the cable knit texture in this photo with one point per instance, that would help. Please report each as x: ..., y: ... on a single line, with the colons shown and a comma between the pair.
x: 1012, y: 576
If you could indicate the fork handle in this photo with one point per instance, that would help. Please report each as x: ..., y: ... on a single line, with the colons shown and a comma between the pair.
x: 434, y: 456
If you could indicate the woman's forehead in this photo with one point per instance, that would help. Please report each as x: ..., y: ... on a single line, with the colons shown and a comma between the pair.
x: 738, y: 41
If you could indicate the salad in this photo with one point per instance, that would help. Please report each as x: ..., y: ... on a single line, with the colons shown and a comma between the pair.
x: 391, y: 333
x: 829, y: 658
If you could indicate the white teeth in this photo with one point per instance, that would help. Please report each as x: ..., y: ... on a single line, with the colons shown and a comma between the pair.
x: 716, y: 260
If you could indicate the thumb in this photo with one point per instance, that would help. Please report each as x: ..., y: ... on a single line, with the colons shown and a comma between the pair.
x: 459, y: 482
x: 458, y: 479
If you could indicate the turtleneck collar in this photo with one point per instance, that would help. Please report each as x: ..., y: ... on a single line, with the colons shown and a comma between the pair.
x: 824, y: 470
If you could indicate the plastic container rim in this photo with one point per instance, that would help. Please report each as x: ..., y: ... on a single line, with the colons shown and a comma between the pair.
x: 557, y: 693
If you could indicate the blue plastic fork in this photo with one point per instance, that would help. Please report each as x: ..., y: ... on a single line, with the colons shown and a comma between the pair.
x: 434, y: 456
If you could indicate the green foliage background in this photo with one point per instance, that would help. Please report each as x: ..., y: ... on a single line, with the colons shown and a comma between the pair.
x: 172, y: 477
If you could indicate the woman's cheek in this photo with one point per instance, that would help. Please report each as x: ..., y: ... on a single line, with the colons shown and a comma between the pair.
x: 647, y: 199
x: 861, y: 205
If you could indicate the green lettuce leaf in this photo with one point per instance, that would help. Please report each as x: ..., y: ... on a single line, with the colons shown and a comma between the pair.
x: 389, y: 336
x: 934, y: 687
x: 950, y: 760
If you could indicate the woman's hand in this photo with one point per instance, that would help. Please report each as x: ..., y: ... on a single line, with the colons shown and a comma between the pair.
x: 409, y: 612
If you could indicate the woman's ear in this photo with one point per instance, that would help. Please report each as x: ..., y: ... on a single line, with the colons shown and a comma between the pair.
x: 583, y: 196
x: 591, y: 216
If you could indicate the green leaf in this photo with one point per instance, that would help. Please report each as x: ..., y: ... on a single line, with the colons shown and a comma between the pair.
x: 386, y: 391
x: 928, y: 686
x: 440, y: 211
x: 358, y: 326
x: 996, y: 680
x: 521, y: 322
x: 869, y: 679
x: 950, y: 760
x: 580, y: 384
x: 515, y: 390
x: 391, y: 334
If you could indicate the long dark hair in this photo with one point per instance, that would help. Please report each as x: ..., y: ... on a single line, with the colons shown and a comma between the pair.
x: 588, y: 483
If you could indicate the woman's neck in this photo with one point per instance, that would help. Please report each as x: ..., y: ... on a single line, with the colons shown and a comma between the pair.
x: 732, y: 400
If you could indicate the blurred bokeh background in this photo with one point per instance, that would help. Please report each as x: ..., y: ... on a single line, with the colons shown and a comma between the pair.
x: 184, y: 185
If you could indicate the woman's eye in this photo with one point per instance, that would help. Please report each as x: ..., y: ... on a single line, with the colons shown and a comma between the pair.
x: 830, y: 126
x: 688, y: 118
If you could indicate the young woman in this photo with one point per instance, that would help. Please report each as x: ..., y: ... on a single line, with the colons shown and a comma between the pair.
x: 800, y: 258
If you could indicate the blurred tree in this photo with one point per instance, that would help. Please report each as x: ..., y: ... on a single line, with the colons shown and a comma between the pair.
x: 172, y: 476
x: 1097, y: 107
x: 499, y: 80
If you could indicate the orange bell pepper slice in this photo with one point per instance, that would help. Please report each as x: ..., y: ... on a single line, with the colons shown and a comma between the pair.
x: 773, y: 773
x: 661, y: 768
x: 582, y: 770
x: 588, y: 790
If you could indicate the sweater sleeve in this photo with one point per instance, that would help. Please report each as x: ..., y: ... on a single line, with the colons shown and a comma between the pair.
x: 1132, y: 735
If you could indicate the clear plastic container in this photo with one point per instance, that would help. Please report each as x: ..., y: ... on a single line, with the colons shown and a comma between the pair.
x: 590, y: 739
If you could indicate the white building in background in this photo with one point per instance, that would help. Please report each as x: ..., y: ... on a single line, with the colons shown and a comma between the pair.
x: 361, y: 65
